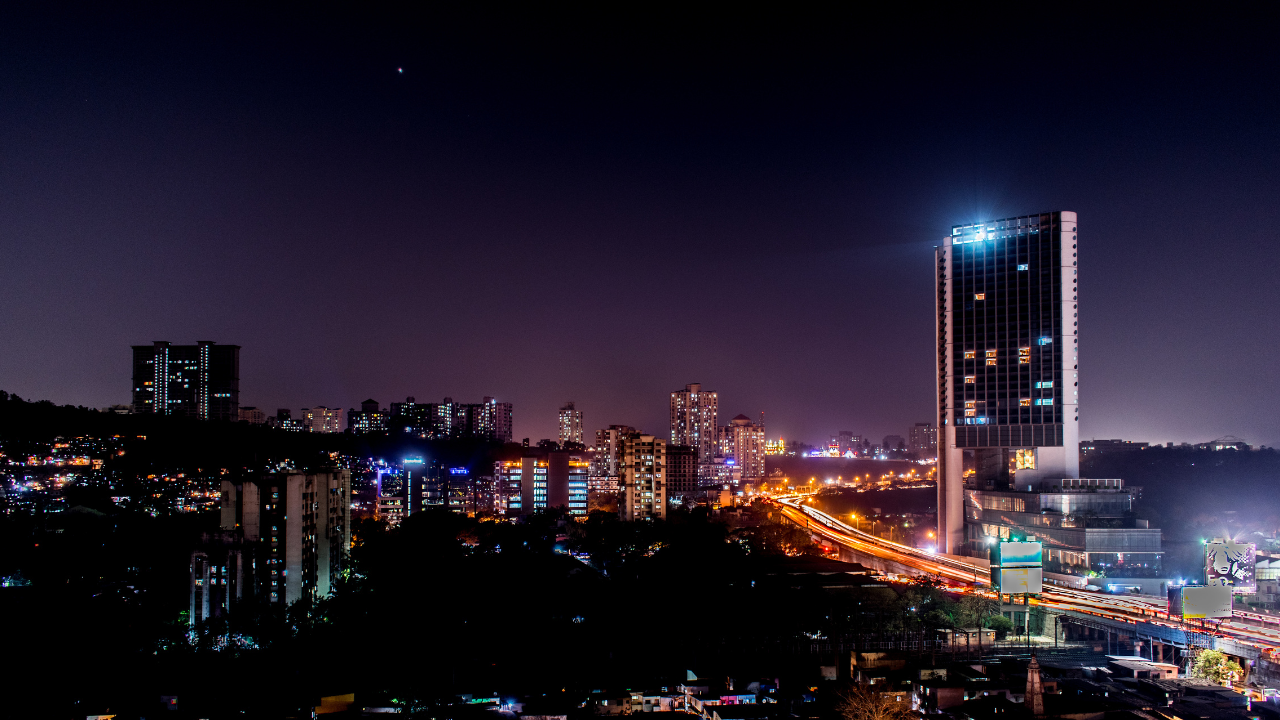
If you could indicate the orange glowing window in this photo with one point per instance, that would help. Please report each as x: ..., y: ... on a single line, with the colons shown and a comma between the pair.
x: 979, y: 296
x: 971, y: 403
x: 968, y: 380
x: 991, y: 353
x: 970, y: 413
x: 1024, y: 402
x: 992, y: 361
x: 969, y: 354
x: 1024, y: 356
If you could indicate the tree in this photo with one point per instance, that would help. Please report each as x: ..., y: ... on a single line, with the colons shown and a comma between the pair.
x: 1216, y: 666
x: 976, y: 610
x: 1001, y: 624
x: 867, y: 702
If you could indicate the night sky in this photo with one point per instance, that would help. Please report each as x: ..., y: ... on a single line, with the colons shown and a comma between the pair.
x: 543, y: 208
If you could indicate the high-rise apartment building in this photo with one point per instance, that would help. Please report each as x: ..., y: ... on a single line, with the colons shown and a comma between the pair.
x: 608, y: 450
x: 693, y: 420
x: 1007, y: 362
x: 283, y: 419
x: 283, y: 536
x: 742, y: 442
x: 643, y: 491
x: 922, y: 440
x: 489, y: 419
x: 321, y: 419
x: 198, y: 381
x: 368, y: 419
x: 570, y: 424
x: 681, y: 472
x: 542, y: 481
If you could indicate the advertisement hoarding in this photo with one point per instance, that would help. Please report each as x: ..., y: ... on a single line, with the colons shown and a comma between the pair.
x: 1020, y: 554
x: 1227, y: 562
x: 1206, y: 601
x: 1020, y: 580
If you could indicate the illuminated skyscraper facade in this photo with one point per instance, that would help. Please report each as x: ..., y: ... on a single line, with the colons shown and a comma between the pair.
x: 1007, y: 360
x: 643, y: 481
x: 693, y: 420
x: 570, y: 424
x: 199, y: 381
x: 742, y: 443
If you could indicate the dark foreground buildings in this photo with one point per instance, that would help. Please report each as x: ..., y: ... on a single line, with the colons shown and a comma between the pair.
x: 282, y: 537
x: 198, y: 381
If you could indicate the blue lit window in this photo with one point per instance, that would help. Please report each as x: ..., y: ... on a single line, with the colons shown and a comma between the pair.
x: 1045, y: 384
x: 1044, y: 401
x: 1024, y: 266
x: 1046, y: 341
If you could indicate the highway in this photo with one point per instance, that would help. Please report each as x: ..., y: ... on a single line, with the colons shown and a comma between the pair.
x: 1245, y: 627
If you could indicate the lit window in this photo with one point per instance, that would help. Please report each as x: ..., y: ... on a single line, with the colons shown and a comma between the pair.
x: 1025, y: 459
x: 1024, y: 356
x: 991, y: 353
x: 1044, y: 401
x: 1024, y: 402
x: 968, y: 380
x: 1046, y: 341
x: 1024, y: 266
x: 970, y: 403
x: 992, y: 361
x: 969, y: 354
x: 979, y: 296
x: 970, y: 413
x: 1045, y: 384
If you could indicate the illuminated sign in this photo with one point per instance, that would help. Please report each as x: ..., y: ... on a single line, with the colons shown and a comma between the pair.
x: 1206, y: 601
x: 1230, y: 563
x: 414, y: 461
x: 458, y: 471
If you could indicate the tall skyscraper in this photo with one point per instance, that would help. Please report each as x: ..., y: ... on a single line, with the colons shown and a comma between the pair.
x: 368, y: 419
x: 283, y: 536
x: 542, y: 481
x: 198, y: 381
x: 643, y: 482
x: 922, y: 439
x: 321, y: 419
x: 489, y: 419
x: 693, y: 420
x: 1007, y: 360
x: 570, y: 424
x: 742, y: 443
x: 681, y: 472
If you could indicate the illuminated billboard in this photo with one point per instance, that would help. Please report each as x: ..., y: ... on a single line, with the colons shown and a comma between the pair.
x: 1227, y: 562
x: 1020, y: 580
x: 1206, y: 601
x: 1020, y: 554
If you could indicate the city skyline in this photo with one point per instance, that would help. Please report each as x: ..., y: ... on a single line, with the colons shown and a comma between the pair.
x: 193, y: 182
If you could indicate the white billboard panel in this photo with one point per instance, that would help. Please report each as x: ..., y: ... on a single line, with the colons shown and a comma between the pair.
x: 1021, y: 554
x: 1206, y: 601
x: 1020, y: 580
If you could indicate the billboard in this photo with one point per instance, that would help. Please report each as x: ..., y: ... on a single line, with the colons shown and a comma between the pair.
x: 1020, y: 580
x: 1227, y: 562
x: 1020, y: 554
x: 1206, y: 601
